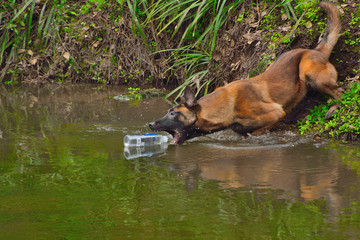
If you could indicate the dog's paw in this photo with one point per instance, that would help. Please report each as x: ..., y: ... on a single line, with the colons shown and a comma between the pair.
x: 340, y: 89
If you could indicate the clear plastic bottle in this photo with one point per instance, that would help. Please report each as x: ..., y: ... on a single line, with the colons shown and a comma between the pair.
x: 144, y: 140
x: 144, y: 151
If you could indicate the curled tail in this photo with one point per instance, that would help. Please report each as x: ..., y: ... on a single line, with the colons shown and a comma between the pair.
x: 327, y: 44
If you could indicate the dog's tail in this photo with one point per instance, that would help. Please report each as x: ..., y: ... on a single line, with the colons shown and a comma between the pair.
x: 327, y: 44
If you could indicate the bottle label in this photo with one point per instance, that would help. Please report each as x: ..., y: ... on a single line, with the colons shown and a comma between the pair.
x: 138, y: 143
x: 150, y: 135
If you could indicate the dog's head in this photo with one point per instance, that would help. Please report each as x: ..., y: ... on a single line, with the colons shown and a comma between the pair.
x: 180, y: 120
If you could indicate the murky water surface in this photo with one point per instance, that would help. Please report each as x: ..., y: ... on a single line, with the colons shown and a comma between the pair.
x: 63, y: 175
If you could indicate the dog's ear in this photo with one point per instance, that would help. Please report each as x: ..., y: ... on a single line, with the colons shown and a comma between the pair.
x: 189, y: 99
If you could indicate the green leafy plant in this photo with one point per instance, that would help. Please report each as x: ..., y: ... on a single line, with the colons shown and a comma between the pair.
x: 15, y: 33
x: 14, y: 75
x: 195, y: 63
x: 315, y: 121
x: 196, y: 24
x: 134, y: 93
x: 192, y: 13
x: 344, y: 124
x: 23, y: 21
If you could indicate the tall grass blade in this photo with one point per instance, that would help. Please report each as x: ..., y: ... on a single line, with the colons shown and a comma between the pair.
x: 20, y: 12
x: 27, y: 39
x: 179, y: 89
x: 42, y: 20
x: 47, y: 30
x: 3, y: 45
x: 132, y: 8
x: 218, y: 22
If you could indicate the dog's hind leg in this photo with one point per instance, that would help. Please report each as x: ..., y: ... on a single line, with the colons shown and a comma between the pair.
x: 268, y: 127
x: 274, y: 113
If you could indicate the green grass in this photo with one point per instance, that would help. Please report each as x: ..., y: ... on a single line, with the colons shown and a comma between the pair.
x: 195, y: 25
x: 21, y: 24
x: 345, y: 123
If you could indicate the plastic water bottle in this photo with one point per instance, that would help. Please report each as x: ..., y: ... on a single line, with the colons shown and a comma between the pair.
x: 144, y: 140
x: 144, y: 151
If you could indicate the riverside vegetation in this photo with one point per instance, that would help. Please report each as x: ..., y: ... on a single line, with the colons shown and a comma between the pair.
x: 143, y: 43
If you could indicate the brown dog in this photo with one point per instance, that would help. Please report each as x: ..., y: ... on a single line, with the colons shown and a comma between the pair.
x: 255, y: 105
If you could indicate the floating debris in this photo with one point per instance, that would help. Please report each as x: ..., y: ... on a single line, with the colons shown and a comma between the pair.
x: 140, y: 94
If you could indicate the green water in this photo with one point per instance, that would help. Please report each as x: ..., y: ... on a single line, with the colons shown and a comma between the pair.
x: 63, y: 175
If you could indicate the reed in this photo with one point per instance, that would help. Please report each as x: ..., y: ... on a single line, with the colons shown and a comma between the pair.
x: 195, y: 25
x: 21, y: 24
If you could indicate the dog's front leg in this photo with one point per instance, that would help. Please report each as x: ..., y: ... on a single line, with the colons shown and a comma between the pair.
x: 333, y: 108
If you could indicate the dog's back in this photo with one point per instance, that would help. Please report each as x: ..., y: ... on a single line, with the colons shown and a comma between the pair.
x: 283, y: 79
